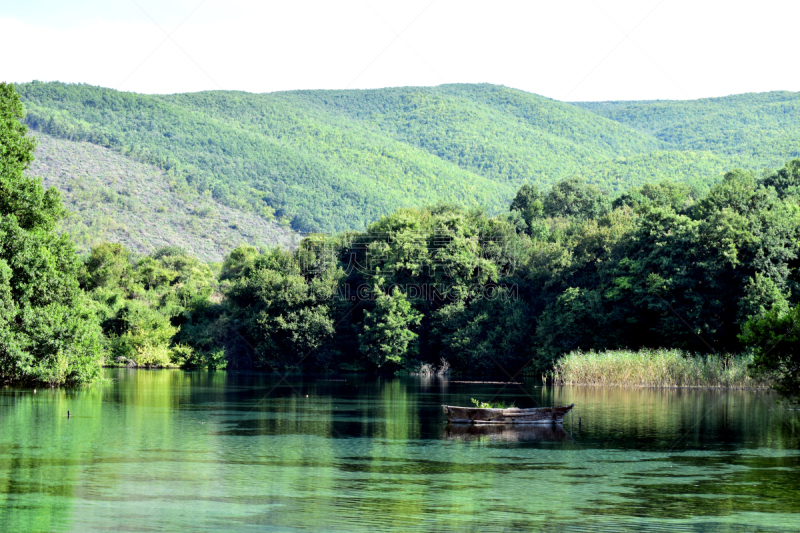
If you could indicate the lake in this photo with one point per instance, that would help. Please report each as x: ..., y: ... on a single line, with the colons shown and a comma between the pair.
x: 191, y: 451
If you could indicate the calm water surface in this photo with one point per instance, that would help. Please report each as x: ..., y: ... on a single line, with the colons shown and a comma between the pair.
x: 183, y: 451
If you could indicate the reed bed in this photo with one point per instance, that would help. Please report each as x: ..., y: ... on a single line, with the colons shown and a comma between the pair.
x: 657, y: 368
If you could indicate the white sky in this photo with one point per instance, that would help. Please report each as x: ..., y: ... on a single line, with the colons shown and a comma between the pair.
x: 564, y: 49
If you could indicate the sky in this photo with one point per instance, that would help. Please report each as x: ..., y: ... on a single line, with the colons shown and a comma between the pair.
x: 572, y: 50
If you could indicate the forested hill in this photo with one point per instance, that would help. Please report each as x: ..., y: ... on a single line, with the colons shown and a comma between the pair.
x: 337, y: 160
x: 755, y: 129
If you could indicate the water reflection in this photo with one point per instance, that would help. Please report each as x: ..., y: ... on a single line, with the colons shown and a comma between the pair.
x: 199, y: 450
x: 503, y: 433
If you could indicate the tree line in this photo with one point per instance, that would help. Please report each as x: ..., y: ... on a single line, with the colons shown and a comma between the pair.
x: 663, y: 265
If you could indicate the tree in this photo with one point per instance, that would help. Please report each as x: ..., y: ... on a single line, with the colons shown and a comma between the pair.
x: 280, y: 316
x: 47, y: 332
x: 776, y: 339
x: 489, y: 336
x: 786, y: 180
x: 572, y: 197
x: 663, y: 194
x: 528, y: 203
x: 108, y: 265
x: 388, y: 335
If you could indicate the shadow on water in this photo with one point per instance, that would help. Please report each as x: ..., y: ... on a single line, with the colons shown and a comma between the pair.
x: 198, y: 450
x: 505, y: 433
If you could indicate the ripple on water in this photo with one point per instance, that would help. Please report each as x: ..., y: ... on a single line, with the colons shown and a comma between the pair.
x: 198, y: 451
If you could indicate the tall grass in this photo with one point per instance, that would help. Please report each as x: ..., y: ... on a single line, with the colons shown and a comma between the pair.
x: 656, y: 368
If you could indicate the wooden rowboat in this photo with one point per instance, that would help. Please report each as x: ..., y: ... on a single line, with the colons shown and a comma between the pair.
x: 512, y: 415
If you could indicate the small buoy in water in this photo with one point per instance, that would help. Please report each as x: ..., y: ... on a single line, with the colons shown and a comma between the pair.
x: 34, y: 391
x: 306, y: 395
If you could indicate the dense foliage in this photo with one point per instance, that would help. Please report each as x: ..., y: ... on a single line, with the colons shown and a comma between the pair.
x: 276, y: 316
x: 143, y: 303
x: 338, y: 160
x: 663, y: 266
x: 47, y: 332
x: 776, y: 336
x: 761, y: 128
x: 667, y: 264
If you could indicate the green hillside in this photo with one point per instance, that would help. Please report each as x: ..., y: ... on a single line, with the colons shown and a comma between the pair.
x: 114, y: 198
x: 755, y: 129
x: 506, y: 135
x: 699, y: 168
x: 338, y: 160
x: 258, y: 153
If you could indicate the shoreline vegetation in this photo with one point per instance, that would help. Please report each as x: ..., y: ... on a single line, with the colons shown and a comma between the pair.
x: 646, y: 368
x: 658, y: 368
x: 425, y: 290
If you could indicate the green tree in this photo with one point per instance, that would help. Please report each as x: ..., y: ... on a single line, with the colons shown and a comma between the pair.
x: 490, y: 336
x: 528, y: 203
x: 388, y: 335
x: 277, y: 314
x: 786, y: 180
x: 145, y: 305
x: 47, y: 332
x: 663, y: 194
x: 108, y: 265
x: 776, y: 340
x: 574, y: 198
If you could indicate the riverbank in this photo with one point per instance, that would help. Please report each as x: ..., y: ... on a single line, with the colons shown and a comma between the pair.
x: 657, y: 368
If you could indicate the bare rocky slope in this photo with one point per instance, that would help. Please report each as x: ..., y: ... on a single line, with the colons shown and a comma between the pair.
x: 114, y: 198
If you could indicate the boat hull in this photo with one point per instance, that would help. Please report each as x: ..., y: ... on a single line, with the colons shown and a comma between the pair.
x: 475, y: 415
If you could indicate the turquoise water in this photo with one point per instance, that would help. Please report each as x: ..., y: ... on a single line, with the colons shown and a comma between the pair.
x: 193, y: 451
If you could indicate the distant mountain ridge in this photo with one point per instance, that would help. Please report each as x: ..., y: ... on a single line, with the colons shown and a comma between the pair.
x: 758, y: 129
x: 338, y: 160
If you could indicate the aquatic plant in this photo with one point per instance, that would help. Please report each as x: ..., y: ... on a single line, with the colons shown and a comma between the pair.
x: 657, y: 368
x: 491, y: 405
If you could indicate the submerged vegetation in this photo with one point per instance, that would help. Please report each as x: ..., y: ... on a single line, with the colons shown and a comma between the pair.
x: 657, y: 368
